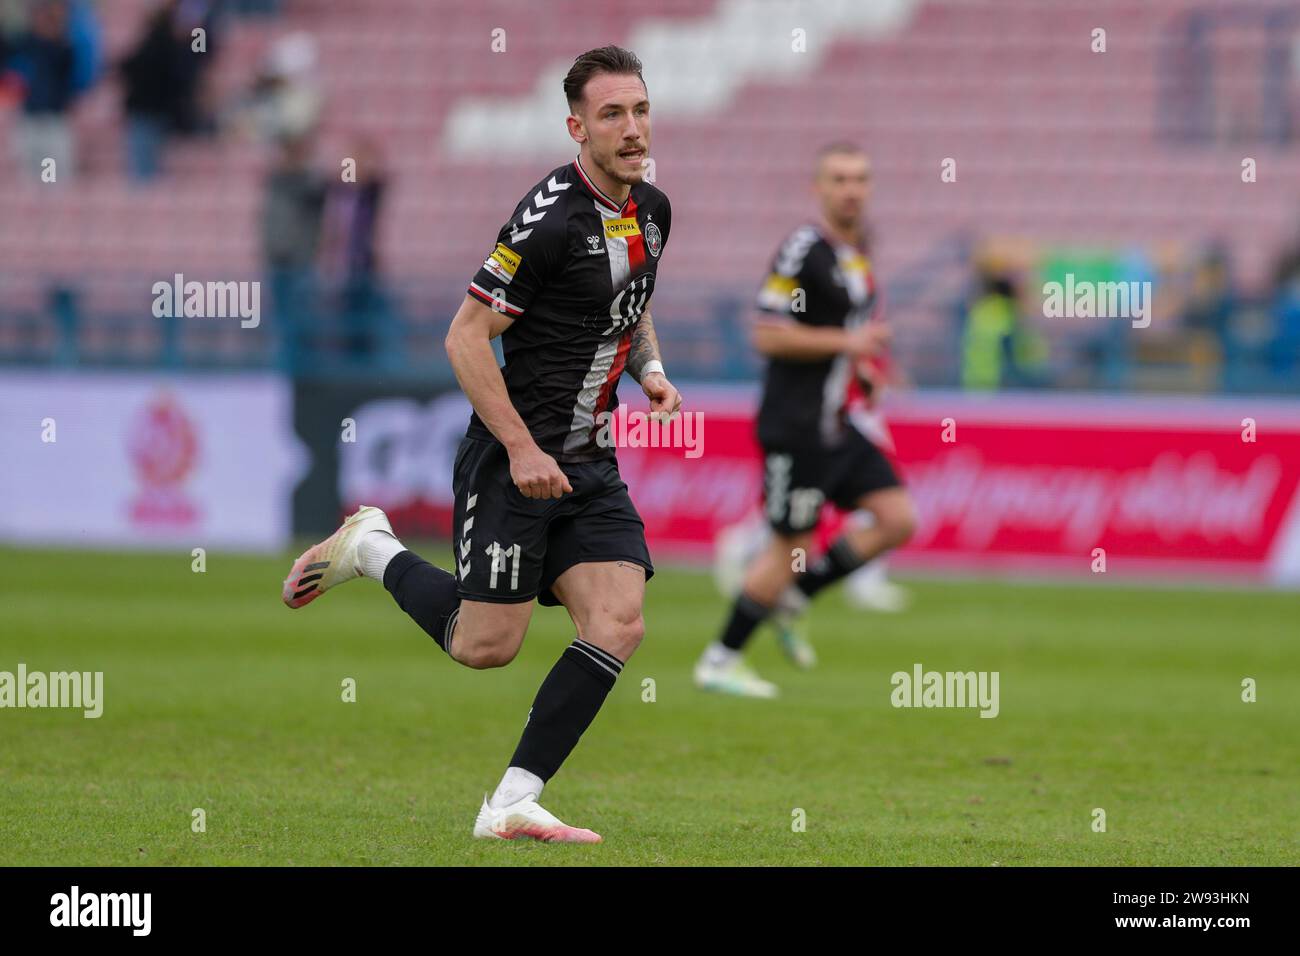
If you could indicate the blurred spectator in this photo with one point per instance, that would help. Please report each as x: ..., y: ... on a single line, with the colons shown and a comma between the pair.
x: 999, y: 350
x: 291, y: 217
x: 194, y: 114
x: 162, y: 77
x: 349, y: 262
x: 285, y: 100
x: 11, y: 85
x: 1211, y: 299
x: 87, y: 45
x: 265, y: 8
x: 146, y: 76
x: 45, y: 60
x: 1284, y: 349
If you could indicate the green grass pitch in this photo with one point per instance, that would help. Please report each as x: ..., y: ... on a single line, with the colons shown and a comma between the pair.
x: 218, y: 697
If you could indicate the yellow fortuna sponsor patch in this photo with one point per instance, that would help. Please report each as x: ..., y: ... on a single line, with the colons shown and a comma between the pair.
x: 776, y: 292
x: 505, y: 258
x: 856, y: 263
x: 621, y: 228
x: 780, y: 285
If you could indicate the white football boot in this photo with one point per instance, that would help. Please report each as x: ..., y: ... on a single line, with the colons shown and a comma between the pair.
x: 334, y: 560
x: 527, y: 819
x: 791, y: 634
x: 869, y: 588
x: 735, y: 548
x: 733, y: 677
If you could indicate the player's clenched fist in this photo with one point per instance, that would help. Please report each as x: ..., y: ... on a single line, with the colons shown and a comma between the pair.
x: 665, y: 400
x: 537, y: 475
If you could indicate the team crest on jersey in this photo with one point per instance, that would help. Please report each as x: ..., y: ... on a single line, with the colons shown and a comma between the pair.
x: 653, y: 240
x: 626, y: 308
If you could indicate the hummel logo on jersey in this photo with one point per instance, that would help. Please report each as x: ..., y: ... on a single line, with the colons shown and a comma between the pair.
x: 596, y: 248
x: 790, y: 258
x: 462, y: 562
x: 541, y: 202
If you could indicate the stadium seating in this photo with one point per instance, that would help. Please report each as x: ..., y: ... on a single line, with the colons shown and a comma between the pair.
x: 1053, y: 142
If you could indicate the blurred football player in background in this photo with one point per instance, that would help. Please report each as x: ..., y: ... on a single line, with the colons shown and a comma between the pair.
x: 817, y: 325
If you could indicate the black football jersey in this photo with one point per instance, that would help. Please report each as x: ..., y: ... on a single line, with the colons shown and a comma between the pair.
x: 575, y: 270
x: 820, y: 280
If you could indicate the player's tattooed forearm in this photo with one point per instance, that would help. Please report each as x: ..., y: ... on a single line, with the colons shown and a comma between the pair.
x: 645, y: 346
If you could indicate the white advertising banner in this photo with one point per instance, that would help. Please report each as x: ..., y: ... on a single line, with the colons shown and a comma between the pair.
x: 147, y: 460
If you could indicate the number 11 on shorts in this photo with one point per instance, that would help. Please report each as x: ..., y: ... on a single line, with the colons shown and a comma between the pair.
x: 500, y: 558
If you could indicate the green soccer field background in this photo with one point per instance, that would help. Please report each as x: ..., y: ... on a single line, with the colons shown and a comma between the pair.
x: 218, y: 697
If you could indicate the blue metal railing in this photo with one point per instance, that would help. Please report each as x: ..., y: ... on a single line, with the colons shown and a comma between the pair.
x: 395, y: 331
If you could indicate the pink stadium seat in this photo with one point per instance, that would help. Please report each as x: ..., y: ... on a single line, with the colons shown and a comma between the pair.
x: 1052, y: 141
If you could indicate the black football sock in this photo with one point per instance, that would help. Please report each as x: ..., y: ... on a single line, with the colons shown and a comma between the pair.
x: 840, y: 560
x: 426, y: 593
x: 746, y: 615
x: 565, y: 706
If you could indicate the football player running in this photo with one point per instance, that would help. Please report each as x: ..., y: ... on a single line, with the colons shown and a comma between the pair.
x: 540, y: 510
x: 815, y: 326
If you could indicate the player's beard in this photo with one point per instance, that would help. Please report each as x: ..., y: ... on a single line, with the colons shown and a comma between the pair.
x: 847, y: 222
x: 612, y: 166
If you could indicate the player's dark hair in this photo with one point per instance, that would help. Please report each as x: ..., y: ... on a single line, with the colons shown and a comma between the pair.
x: 605, y: 59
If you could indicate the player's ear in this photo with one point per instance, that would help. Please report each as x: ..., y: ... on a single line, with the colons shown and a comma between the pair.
x: 577, y: 130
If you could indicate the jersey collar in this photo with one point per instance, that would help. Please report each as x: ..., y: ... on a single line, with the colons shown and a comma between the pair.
x: 596, y: 191
x: 829, y: 234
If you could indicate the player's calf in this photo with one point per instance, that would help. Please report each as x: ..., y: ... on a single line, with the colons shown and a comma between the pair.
x: 605, y: 599
x: 428, y: 594
x: 767, y: 579
x: 365, y: 546
x: 894, y: 522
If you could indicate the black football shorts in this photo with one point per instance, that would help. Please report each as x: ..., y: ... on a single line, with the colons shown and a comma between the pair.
x: 798, y: 480
x: 510, y: 549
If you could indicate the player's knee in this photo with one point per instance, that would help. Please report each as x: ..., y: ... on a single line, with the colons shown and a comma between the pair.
x: 784, y: 550
x: 899, y: 524
x: 481, y: 657
x: 485, y: 651
x: 633, y: 632
x: 620, y: 633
